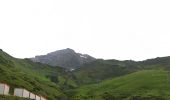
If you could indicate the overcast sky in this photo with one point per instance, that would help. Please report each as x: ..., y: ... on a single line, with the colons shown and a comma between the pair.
x: 109, y: 29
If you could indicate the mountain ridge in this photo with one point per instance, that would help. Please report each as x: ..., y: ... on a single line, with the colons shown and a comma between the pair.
x: 66, y: 58
x: 59, y: 83
x: 36, y: 77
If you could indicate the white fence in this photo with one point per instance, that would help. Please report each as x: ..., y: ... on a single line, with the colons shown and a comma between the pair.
x: 4, y: 89
x: 32, y: 96
x: 19, y: 92
x: 37, y: 97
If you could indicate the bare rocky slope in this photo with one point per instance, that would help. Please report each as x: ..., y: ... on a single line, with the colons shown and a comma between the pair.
x: 66, y: 58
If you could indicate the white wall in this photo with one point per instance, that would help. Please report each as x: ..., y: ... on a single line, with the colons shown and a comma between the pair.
x: 6, y: 91
x: 18, y: 92
x: 26, y: 93
x: 1, y: 88
x: 37, y: 98
x: 42, y: 98
x: 21, y: 93
x: 32, y: 96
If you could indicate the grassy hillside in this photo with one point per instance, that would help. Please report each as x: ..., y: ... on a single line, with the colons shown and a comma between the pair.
x: 99, y: 70
x: 142, y: 85
x: 34, y: 77
x: 63, y: 78
x: 126, y: 80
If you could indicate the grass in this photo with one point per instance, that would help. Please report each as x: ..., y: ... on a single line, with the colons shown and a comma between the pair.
x: 126, y: 80
x: 142, y: 85
x: 99, y: 70
x: 19, y: 73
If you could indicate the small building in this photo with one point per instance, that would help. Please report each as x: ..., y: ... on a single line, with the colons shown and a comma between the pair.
x: 37, y: 97
x: 4, y: 89
x: 21, y: 92
x: 42, y: 98
x: 32, y: 96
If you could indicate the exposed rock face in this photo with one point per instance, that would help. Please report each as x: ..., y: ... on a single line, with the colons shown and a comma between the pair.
x: 66, y: 58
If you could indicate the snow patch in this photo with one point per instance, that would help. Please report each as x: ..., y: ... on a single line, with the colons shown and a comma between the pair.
x: 82, y: 56
x: 72, y: 69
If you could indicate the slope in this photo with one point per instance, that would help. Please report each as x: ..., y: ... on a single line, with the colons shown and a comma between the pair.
x: 142, y: 85
x: 99, y: 70
x: 103, y: 69
x: 66, y: 58
x: 34, y: 77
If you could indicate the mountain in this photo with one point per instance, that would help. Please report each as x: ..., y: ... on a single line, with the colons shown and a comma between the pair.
x: 95, y: 80
x: 38, y: 78
x: 141, y: 85
x: 99, y: 70
x: 66, y: 58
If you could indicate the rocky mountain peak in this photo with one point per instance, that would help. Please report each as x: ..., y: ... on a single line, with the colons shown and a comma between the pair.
x: 66, y: 58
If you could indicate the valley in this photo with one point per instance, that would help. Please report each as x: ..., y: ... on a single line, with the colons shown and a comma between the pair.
x: 92, y: 80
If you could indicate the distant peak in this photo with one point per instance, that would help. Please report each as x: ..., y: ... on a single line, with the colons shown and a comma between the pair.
x: 67, y: 50
x: 66, y: 58
x: 62, y: 51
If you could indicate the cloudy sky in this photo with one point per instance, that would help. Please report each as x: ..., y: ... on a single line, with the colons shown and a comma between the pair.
x: 117, y: 29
